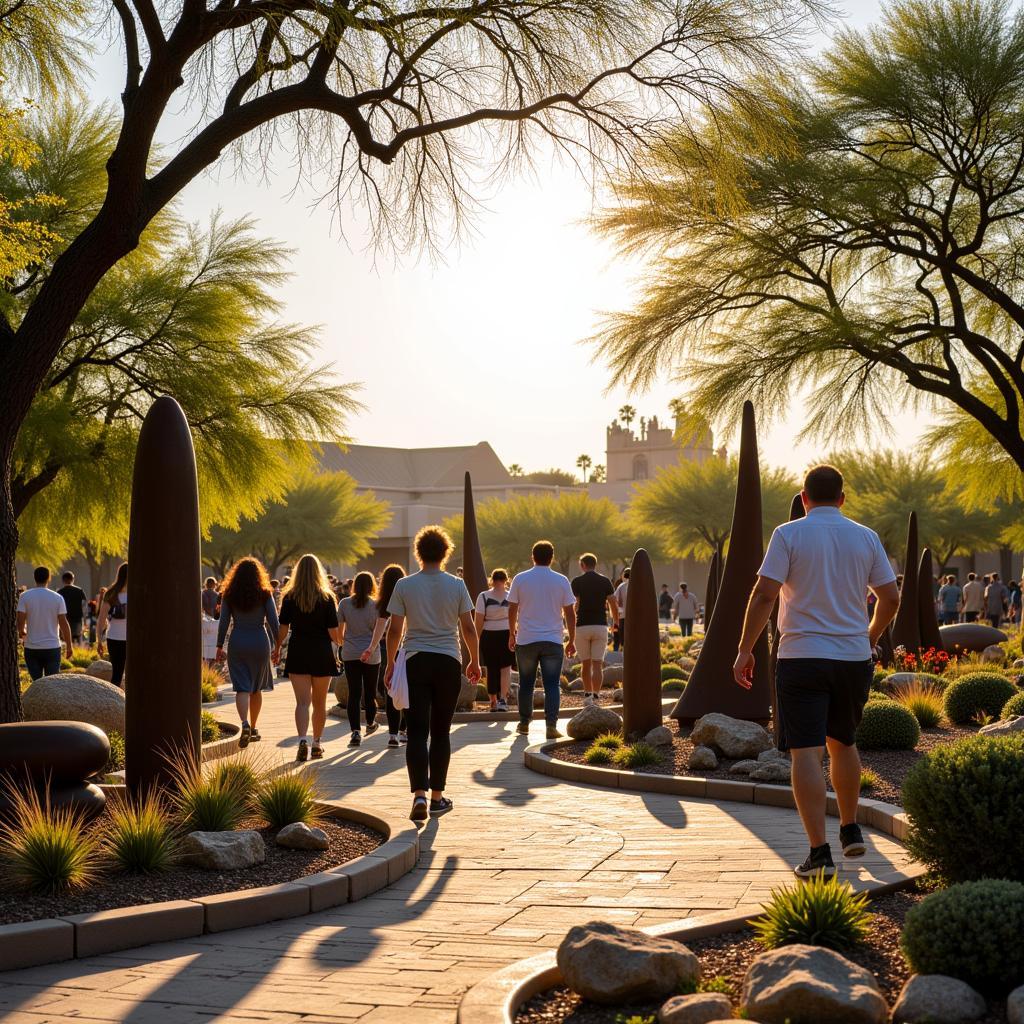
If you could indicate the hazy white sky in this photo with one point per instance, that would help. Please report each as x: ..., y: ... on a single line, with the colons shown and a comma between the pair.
x: 507, y: 308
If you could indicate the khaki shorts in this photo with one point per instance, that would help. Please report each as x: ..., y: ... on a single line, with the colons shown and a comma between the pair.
x: 591, y: 642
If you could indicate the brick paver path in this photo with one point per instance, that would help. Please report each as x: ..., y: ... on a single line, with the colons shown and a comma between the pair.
x: 521, y: 858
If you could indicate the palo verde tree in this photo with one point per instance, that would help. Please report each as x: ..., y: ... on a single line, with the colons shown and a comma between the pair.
x: 859, y: 242
x: 408, y: 100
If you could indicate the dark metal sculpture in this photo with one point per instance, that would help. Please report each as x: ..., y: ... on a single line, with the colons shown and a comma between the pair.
x: 928, y: 621
x: 473, y: 570
x: 906, y: 629
x: 641, y: 664
x: 165, y: 651
x: 714, y: 580
x: 711, y: 686
x: 796, y: 511
x: 970, y: 636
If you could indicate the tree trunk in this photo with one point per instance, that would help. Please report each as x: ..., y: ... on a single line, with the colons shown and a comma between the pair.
x: 10, y: 688
x: 1005, y: 563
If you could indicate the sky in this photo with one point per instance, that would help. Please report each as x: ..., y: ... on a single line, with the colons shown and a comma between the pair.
x: 497, y: 324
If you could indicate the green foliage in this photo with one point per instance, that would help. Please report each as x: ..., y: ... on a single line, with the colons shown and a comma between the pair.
x: 876, y: 695
x: 978, y: 691
x: 207, y: 803
x: 638, y: 755
x: 816, y: 912
x: 209, y: 730
x: 671, y: 672
x: 83, y: 657
x: 1014, y: 706
x: 210, y: 681
x: 687, y: 642
x: 45, y: 849
x: 598, y: 755
x: 609, y: 740
x: 575, y: 671
x: 971, y: 931
x: 715, y: 984
x: 966, y: 807
x: 244, y: 771
x: 288, y: 797
x: 923, y: 701
x: 673, y: 686
x: 139, y: 835
x: 115, y: 762
x: 887, y: 726
x: 879, y: 678
x: 869, y: 780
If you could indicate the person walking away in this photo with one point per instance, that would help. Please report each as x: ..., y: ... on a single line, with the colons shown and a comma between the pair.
x: 997, y: 600
x: 210, y: 598
x: 396, y: 716
x: 357, y: 617
x: 620, y: 597
x: 309, y: 610
x: 430, y: 607
x: 492, y: 628
x: 76, y: 604
x: 247, y: 607
x: 685, y: 607
x: 43, y: 626
x: 950, y: 601
x: 113, y: 624
x: 1015, y: 601
x: 973, y: 598
x: 665, y: 604
x: 595, y: 601
x: 538, y: 600
x: 275, y: 590
x: 819, y: 568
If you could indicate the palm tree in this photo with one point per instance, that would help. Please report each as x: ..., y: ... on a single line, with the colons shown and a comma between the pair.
x: 515, y: 469
x: 627, y: 414
x: 584, y: 462
x: 598, y: 476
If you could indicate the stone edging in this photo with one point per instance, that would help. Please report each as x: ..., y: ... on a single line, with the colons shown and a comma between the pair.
x: 31, y: 943
x: 513, y: 715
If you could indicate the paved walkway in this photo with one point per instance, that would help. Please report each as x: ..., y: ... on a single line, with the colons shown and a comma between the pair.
x: 521, y: 859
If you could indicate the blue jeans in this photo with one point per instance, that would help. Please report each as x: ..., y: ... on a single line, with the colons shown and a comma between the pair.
x: 549, y: 656
x: 42, y: 662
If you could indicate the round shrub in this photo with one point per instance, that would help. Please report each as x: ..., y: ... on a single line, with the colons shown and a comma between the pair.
x: 966, y: 807
x: 115, y: 762
x: 576, y: 670
x: 671, y: 672
x: 208, y: 727
x: 673, y: 686
x: 970, y: 931
x: 887, y: 726
x: 977, y: 692
x: 874, y: 695
x: 879, y: 678
x: 1014, y: 706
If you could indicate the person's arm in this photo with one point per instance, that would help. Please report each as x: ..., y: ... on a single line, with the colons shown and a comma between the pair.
x: 472, y: 642
x: 222, y: 629
x: 395, y: 626
x: 613, y: 609
x: 65, y: 631
x: 887, y: 603
x: 273, y: 627
x: 378, y: 635
x: 569, y: 613
x: 22, y: 625
x: 101, y: 626
x: 759, y: 610
x: 513, y: 620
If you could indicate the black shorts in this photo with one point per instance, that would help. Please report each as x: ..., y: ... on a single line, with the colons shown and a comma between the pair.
x: 819, y: 697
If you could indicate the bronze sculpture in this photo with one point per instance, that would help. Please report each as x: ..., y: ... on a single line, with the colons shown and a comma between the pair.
x: 796, y: 511
x: 906, y: 629
x: 928, y: 621
x: 473, y: 570
x: 641, y: 664
x: 714, y: 579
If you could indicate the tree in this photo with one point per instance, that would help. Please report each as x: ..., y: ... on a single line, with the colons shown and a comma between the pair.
x: 599, y: 475
x: 550, y: 478
x: 627, y: 414
x: 583, y: 463
x: 322, y: 513
x: 691, y: 505
x: 406, y: 98
x: 861, y: 238
x: 515, y: 470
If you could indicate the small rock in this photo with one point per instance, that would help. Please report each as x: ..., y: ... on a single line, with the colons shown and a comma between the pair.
x: 772, y: 771
x: 744, y: 767
x: 698, y: 1008
x: 609, y: 964
x: 703, y: 758
x: 611, y: 675
x: 618, y: 695
x: 687, y: 664
x: 339, y: 687
x: 993, y: 653
x: 100, y: 669
x: 467, y: 696
x: 811, y: 983
x: 513, y: 693
x: 1015, y: 1006
x: 660, y: 736
x: 773, y: 754
x: 937, y: 999
x: 223, y: 851
x: 614, y: 658
x: 576, y: 686
x: 1004, y: 728
x: 338, y: 711
x: 592, y: 721
x: 730, y: 737
x: 300, y: 836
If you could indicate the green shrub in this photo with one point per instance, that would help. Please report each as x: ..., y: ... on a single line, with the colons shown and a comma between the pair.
x: 82, y: 657
x: 209, y: 730
x: 887, y: 726
x: 1014, y: 706
x: 966, y: 807
x: 869, y: 780
x: 931, y: 679
x: 287, y: 798
x: 637, y: 755
x: 609, y: 740
x: 576, y: 671
x: 598, y: 755
x: 115, y: 762
x: 481, y: 692
x: 923, y: 701
x: 139, y: 835
x: 874, y: 695
x: 45, y: 849
x: 817, y: 912
x: 687, y: 642
x: 976, y: 692
x: 673, y: 686
x: 211, y: 679
x: 242, y: 771
x: 879, y: 678
x: 672, y: 672
x: 207, y: 803
x: 970, y: 931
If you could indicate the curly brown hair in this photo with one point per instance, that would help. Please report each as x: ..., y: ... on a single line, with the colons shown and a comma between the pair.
x: 246, y: 586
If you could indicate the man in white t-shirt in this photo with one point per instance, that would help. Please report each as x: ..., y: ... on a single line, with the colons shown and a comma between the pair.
x: 43, y: 625
x: 820, y: 569
x: 684, y: 608
x: 620, y: 599
x: 974, y: 598
x: 538, y: 602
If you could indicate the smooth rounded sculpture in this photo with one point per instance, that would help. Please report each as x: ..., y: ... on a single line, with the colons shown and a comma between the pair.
x: 970, y: 637
x: 928, y: 620
x: 76, y: 697
x: 641, y: 665
x: 906, y: 627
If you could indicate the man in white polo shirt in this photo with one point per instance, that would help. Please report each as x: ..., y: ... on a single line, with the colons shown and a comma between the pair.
x: 820, y: 568
x: 43, y: 624
x: 538, y: 601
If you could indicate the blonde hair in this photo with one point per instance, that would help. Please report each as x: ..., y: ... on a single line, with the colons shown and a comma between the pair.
x: 308, y: 584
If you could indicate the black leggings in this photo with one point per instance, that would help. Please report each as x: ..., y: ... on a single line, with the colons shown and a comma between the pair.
x: 434, y: 684
x: 396, y: 718
x: 118, y: 651
x: 362, y: 685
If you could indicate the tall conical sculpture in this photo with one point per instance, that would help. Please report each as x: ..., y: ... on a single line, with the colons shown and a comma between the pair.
x: 906, y: 629
x: 473, y: 570
x: 796, y: 511
x: 711, y: 686
x: 928, y: 622
x: 162, y: 692
x: 641, y: 665
x: 714, y: 579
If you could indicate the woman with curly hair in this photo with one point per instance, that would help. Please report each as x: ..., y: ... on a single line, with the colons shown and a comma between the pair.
x: 247, y: 604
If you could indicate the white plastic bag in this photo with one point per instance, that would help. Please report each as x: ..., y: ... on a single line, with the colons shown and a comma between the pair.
x: 399, y: 689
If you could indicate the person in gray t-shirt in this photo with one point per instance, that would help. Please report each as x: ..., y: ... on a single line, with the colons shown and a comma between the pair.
x: 357, y: 615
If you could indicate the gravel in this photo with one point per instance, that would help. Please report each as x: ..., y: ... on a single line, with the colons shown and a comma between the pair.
x: 116, y: 889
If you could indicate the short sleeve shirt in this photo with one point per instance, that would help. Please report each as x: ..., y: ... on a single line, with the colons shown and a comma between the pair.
x: 312, y: 625
x: 494, y: 610
x: 592, y: 591
x: 359, y: 626
x: 825, y: 563
x: 42, y: 608
x: 541, y: 594
x: 74, y: 601
x: 620, y: 596
x: 431, y: 601
x: 949, y: 597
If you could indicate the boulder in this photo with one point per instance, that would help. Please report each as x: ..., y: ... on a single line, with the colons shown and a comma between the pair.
x: 937, y: 999
x: 101, y: 669
x: 744, y: 767
x: 592, y: 721
x: 660, y: 736
x: 70, y: 696
x: 703, y: 759
x: 773, y: 754
x: 617, y: 695
x: 576, y: 686
x: 1015, y: 1006
x: 697, y: 1008
x: 614, y: 657
x: 1004, y: 728
x: 300, y: 836
x: 611, y: 675
x: 609, y: 964
x: 513, y: 693
x: 339, y: 687
x: 223, y: 851
x: 467, y: 696
x: 567, y: 664
x: 338, y: 711
x: 805, y: 984
x: 772, y: 771
x: 730, y: 737
x: 993, y: 654
x: 687, y: 663
x: 970, y: 636
x: 902, y: 679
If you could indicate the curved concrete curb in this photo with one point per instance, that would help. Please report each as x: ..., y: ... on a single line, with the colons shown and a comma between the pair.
x: 513, y: 716
x: 32, y: 943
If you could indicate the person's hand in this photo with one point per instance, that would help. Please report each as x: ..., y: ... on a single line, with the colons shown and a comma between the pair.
x: 570, y: 650
x: 389, y: 674
x: 743, y: 669
x: 512, y: 642
x: 68, y: 651
x: 275, y: 655
x: 473, y: 671
x: 220, y: 654
x: 99, y: 648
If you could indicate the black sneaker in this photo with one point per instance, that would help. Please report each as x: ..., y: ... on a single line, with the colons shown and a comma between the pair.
x: 244, y: 736
x: 355, y: 740
x: 254, y: 736
x: 317, y: 752
x: 851, y: 839
x: 371, y: 728
x: 818, y: 862
x: 442, y: 806
x: 303, y: 752
x: 419, y: 809
x: 393, y: 740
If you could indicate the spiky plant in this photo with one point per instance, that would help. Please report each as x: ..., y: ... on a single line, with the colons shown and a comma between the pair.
x: 818, y: 912
x: 139, y: 836
x: 288, y: 797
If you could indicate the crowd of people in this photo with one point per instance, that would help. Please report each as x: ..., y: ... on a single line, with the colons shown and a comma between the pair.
x: 985, y: 598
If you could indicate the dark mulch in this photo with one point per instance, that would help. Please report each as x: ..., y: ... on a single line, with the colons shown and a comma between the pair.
x: 115, y: 889
x: 728, y: 957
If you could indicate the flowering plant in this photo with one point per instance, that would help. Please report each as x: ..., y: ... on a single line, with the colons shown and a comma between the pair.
x: 931, y: 659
